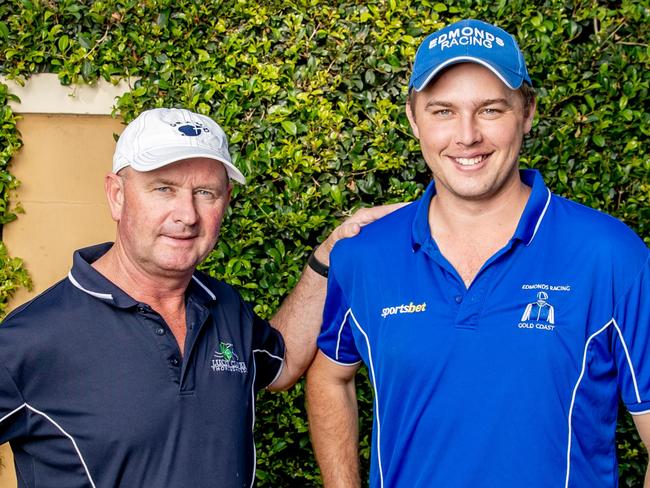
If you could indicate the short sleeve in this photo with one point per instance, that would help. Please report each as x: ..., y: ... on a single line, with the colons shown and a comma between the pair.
x: 632, y: 320
x: 336, y: 339
x: 12, y: 412
x: 268, y: 352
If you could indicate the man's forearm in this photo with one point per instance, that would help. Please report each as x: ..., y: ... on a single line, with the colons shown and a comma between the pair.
x: 299, y: 319
x: 300, y: 315
x: 334, y: 427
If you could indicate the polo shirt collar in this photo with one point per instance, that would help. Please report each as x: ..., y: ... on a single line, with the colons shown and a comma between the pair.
x: 530, y: 220
x: 535, y: 208
x: 199, y: 290
x: 421, y: 232
x: 89, y: 280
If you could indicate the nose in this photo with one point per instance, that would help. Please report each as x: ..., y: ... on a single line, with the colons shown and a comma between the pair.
x: 185, y: 209
x: 468, y: 131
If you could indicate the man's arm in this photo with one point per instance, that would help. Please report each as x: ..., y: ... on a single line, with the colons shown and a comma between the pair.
x: 300, y: 315
x: 334, y: 421
x: 642, y: 423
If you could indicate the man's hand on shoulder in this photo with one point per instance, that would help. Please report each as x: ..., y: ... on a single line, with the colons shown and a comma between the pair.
x: 352, y: 226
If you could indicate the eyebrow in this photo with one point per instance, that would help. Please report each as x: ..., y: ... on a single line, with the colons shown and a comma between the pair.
x: 439, y: 103
x: 167, y: 182
x: 162, y: 181
x: 495, y: 101
x: 482, y: 103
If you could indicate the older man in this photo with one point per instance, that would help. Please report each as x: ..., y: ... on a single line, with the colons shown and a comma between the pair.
x: 137, y: 370
x: 500, y: 323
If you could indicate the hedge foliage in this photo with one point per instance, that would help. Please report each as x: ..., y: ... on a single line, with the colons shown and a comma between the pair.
x: 312, y: 95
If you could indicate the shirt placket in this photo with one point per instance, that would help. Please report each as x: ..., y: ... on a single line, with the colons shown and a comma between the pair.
x: 164, y: 338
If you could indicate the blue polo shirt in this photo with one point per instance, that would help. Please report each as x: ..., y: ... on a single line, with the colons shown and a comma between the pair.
x: 512, y: 382
x: 94, y: 391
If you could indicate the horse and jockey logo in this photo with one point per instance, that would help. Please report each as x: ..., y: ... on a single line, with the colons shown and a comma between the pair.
x: 539, y: 314
x: 539, y: 311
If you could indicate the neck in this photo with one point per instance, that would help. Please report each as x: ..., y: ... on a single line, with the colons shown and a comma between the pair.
x: 469, y: 232
x: 499, y: 212
x: 158, y: 291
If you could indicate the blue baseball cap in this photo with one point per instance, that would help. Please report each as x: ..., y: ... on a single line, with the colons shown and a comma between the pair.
x: 470, y: 41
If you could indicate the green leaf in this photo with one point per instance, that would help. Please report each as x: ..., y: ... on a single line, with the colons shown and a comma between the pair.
x: 289, y: 127
x: 4, y: 30
x: 599, y: 140
x: 63, y: 43
x: 84, y: 41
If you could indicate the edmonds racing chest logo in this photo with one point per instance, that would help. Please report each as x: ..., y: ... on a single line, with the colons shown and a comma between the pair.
x: 225, y: 359
x: 540, y: 313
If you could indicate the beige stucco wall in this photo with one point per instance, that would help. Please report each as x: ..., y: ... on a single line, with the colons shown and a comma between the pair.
x: 61, y: 166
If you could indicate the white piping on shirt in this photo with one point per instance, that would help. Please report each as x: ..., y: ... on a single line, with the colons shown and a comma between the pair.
x: 204, y: 287
x: 277, y: 375
x: 253, y: 424
x: 108, y: 296
x: 374, y: 385
x: 339, y: 362
x: 103, y: 296
x: 47, y: 417
x: 577, y: 385
x: 629, y: 361
x: 639, y: 413
x: 539, y: 221
x: 268, y: 353
x: 338, y: 339
x: 12, y: 412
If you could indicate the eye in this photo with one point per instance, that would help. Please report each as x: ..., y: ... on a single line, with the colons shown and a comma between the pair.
x: 203, y: 193
x: 162, y: 189
x: 491, y: 112
x: 443, y: 112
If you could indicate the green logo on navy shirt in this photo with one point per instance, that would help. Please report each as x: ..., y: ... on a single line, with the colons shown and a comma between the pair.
x: 225, y: 359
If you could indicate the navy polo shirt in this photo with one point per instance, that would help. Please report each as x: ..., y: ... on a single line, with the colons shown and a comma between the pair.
x: 94, y: 392
x: 512, y: 382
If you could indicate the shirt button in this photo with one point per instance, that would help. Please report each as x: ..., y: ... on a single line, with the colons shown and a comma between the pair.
x: 141, y: 309
x: 458, y: 298
x: 159, y: 331
x: 173, y: 361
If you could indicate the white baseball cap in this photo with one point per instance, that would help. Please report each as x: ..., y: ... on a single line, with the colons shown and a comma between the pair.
x: 162, y: 136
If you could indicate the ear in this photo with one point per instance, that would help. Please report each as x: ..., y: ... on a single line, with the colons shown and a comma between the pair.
x: 114, y: 188
x: 229, y: 192
x: 411, y: 116
x: 528, y: 121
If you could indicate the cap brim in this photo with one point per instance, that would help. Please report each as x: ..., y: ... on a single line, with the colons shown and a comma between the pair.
x: 152, y: 160
x: 512, y: 82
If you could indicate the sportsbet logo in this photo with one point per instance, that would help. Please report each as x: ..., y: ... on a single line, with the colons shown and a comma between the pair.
x: 410, y: 308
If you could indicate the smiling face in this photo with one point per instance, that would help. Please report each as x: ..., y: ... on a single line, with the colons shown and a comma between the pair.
x: 169, y: 219
x: 470, y: 126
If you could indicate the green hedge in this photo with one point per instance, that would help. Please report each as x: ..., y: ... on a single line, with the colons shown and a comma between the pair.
x: 312, y: 95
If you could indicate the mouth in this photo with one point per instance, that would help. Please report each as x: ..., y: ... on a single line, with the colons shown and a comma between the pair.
x: 181, y: 237
x: 473, y: 161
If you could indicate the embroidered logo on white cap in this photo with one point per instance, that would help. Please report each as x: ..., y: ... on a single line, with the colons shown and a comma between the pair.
x: 162, y: 136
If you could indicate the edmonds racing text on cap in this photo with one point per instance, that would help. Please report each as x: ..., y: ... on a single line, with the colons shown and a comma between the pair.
x: 470, y: 41
x: 162, y: 136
